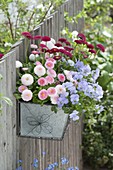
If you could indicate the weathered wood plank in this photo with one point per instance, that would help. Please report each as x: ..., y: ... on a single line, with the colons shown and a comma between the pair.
x: 3, y: 136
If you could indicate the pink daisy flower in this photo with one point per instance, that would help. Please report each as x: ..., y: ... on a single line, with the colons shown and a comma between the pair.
x: 38, y: 63
x: 34, y: 46
x: 27, y: 95
x: 52, y: 60
x: 51, y: 72
x: 49, y: 79
x: 42, y: 81
x: 43, y: 94
x: 22, y: 88
x: 49, y: 64
x: 61, y: 77
x: 51, y: 91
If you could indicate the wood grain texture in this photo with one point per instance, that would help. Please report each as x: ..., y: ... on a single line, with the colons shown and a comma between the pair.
x: 12, y: 146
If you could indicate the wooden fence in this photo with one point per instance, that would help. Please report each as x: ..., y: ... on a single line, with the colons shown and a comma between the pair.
x: 14, y: 147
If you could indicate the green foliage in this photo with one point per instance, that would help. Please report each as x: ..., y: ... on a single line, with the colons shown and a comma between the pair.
x: 98, y: 137
x: 22, y: 16
x: 98, y: 140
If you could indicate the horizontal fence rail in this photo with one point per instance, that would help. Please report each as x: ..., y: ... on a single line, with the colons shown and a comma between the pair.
x: 14, y: 147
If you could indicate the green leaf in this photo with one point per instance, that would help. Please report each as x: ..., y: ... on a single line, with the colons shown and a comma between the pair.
x: 7, y: 100
x: 104, y: 79
x: 54, y: 108
x: 17, y: 96
x: 110, y: 87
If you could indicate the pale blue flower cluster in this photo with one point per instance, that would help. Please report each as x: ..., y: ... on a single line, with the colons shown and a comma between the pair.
x: 63, y: 100
x: 82, y: 84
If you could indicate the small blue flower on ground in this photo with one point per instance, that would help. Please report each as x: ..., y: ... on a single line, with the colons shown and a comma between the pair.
x: 35, y: 163
x: 50, y: 167
x: 43, y: 153
x: 19, y: 162
x: 76, y: 168
x: 19, y: 168
x: 55, y: 164
x: 64, y: 161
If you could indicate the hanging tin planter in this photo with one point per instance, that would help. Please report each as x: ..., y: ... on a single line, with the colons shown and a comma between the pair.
x: 39, y: 121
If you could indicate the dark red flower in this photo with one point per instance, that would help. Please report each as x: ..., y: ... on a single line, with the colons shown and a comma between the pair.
x: 62, y: 40
x: 62, y: 50
x: 101, y: 47
x: 92, y: 51
x: 57, y: 57
x: 68, y: 54
x: 90, y: 46
x: 1, y: 55
x: 37, y: 37
x: 68, y: 48
x: 80, y: 41
x: 67, y: 43
x: 46, y: 38
x: 58, y: 45
x: 81, y: 36
x: 27, y: 35
x: 54, y: 50
x: 43, y: 46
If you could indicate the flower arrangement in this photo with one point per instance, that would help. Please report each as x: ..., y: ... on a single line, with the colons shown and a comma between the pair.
x: 61, y: 165
x: 58, y: 73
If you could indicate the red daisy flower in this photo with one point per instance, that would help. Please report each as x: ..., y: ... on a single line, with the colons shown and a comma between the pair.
x: 92, y: 51
x: 67, y: 43
x: 58, y: 45
x: 37, y: 37
x: 43, y: 46
x: 80, y: 41
x: 68, y: 48
x: 27, y: 35
x: 62, y: 40
x: 46, y: 38
x: 68, y: 54
x: 90, y: 46
x: 62, y: 51
x: 54, y: 50
x: 1, y: 55
x: 57, y: 57
x: 81, y: 36
x: 101, y: 47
